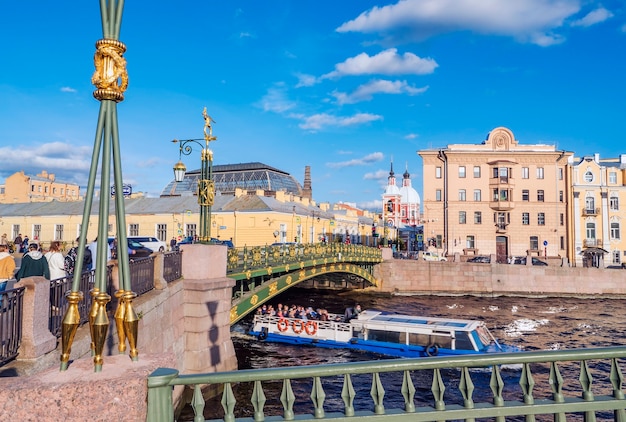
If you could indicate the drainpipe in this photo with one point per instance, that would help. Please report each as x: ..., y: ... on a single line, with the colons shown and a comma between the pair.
x: 444, y: 159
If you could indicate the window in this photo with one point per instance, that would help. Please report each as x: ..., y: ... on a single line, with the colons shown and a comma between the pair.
x: 438, y: 172
x: 58, y: 232
x: 133, y: 230
x: 161, y: 232
x: 54, y: 191
x: 470, y: 242
x: 560, y: 173
x: 591, y: 230
x: 562, y: 219
x: 191, y: 230
x: 590, y: 204
x: 541, y: 219
x: 526, y: 195
x: 37, y: 231
x: 462, y: 217
x: 615, y: 231
x: 39, y: 188
x: 615, y: 256
x: 540, y: 195
x: 588, y: 176
x: 539, y: 172
x: 476, y: 172
x: 525, y: 173
x: 504, y: 195
x: 560, y: 196
x: 32, y: 188
x: 613, y: 178
x: 614, y: 203
x: 462, y: 172
x: 438, y: 195
x: 477, y: 195
x: 525, y: 218
x: 461, y: 194
x: 501, y: 222
x: 62, y: 191
x: 16, y: 230
x: 534, y: 243
x: 562, y: 242
x: 45, y: 189
x: 495, y: 194
x: 478, y: 217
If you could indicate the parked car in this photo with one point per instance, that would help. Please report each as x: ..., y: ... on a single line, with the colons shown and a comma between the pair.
x: 150, y: 242
x: 484, y: 259
x: 433, y: 256
x: 521, y: 260
x: 140, y: 251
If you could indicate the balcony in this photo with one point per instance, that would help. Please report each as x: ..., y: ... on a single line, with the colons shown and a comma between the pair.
x: 501, y: 227
x: 502, y: 205
x: 591, y: 211
x: 592, y: 243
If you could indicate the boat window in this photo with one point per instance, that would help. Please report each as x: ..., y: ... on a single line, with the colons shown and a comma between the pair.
x: 387, y: 336
x: 463, y: 341
x: 482, y: 337
x: 429, y: 339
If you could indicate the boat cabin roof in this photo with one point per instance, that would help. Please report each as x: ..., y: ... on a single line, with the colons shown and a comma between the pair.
x: 431, y: 323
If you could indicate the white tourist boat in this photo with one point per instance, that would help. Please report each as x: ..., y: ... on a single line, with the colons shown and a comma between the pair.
x: 384, y: 333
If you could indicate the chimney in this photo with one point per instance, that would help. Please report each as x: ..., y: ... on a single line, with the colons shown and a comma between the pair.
x: 307, y: 191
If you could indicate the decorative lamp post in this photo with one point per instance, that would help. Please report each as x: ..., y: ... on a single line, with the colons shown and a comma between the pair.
x: 206, y: 185
x: 111, y: 80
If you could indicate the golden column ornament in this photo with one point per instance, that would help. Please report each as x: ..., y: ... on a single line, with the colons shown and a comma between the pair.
x: 111, y: 80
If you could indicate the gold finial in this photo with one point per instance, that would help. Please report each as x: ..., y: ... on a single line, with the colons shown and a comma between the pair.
x: 208, y: 120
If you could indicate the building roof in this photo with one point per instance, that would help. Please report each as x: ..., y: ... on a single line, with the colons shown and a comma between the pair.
x: 228, y: 177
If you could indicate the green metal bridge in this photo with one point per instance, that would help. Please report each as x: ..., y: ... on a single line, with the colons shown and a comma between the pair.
x: 263, y: 272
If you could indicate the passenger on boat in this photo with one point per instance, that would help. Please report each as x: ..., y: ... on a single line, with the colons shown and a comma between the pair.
x: 352, y: 313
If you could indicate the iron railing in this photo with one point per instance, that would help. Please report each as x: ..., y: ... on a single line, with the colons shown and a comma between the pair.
x: 445, y: 385
x: 11, y: 305
x: 172, y: 265
x: 142, y: 275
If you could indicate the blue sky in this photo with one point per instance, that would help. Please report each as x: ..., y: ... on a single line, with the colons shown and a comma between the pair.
x: 344, y: 86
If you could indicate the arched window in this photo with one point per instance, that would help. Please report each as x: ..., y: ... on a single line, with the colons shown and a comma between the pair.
x: 590, y: 204
x: 588, y: 176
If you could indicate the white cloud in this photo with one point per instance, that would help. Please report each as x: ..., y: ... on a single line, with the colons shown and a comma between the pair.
x: 366, y: 91
x: 411, y: 136
x: 276, y: 100
x: 416, y: 20
x: 374, y: 205
x: 68, y: 89
x: 318, y: 121
x: 595, y: 16
x: 305, y: 80
x: 368, y: 159
x: 387, y: 62
x: 377, y: 175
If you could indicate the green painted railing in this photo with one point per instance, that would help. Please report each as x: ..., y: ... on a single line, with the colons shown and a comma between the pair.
x: 393, y: 395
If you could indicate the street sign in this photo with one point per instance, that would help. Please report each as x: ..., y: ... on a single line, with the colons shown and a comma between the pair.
x: 545, y: 243
x: 127, y: 190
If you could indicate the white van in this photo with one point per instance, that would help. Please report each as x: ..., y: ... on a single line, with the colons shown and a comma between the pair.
x: 150, y: 242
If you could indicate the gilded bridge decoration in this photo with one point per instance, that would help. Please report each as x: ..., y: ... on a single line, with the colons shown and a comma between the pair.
x: 264, y: 272
x: 110, y: 76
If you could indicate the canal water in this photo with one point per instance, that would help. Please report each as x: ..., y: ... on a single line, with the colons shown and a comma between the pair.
x: 530, y: 323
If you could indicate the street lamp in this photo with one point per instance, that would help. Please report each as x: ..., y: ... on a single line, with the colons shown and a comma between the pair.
x: 206, y: 185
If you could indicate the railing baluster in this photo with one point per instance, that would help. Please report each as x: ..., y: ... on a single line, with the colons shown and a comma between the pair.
x: 438, y: 388
x: 378, y: 393
x: 466, y: 386
x: 586, y: 380
x: 287, y: 398
x: 617, y: 380
x: 556, y: 383
x: 228, y: 402
x: 318, y: 396
x: 197, y: 403
x: 497, y: 385
x: 258, y: 401
x: 408, y: 392
x: 348, y: 394
x: 527, y: 383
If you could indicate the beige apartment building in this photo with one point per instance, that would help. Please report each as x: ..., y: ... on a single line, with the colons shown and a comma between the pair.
x: 497, y: 197
x: 20, y: 187
x: 599, y: 195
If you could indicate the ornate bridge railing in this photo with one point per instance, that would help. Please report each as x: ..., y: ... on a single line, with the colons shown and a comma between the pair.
x: 445, y: 387
x: 263, y: 272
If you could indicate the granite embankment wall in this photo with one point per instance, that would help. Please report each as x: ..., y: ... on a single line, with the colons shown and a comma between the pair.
x: 402, y: 276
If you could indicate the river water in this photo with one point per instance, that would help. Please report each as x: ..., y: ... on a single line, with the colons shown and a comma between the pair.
x: 530, y: 323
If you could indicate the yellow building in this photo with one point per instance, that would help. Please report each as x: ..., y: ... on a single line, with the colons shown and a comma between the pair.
x: 598, y: 190
x: 496, y: 197
x: 20, y: 187
x: 246, y: 218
